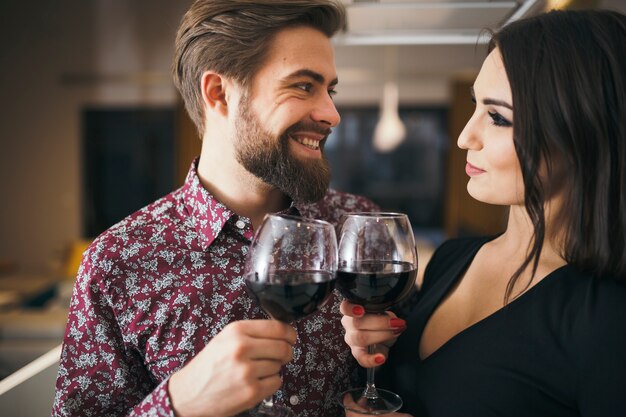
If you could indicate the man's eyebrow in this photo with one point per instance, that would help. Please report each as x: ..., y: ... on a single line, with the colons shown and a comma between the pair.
x: 316, y: 76
x: 491, y: 101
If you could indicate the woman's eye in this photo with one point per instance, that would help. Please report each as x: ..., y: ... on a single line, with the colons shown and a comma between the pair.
x: 498, y: 120
x: 332, y: 92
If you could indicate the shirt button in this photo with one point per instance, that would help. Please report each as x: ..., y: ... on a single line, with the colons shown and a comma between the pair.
x: 293, y: 400
x: 240, y: 224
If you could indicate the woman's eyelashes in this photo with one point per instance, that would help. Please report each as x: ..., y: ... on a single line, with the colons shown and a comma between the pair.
x: 499, y: 120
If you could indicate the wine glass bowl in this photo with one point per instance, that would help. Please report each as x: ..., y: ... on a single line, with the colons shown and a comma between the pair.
x: 290, y: 272
x: 291, y: 295
x: 291, y: 266
x: 376, y: 285
x: 377, y: 269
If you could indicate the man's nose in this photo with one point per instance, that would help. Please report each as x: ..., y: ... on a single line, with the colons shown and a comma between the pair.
x: 325, y: 111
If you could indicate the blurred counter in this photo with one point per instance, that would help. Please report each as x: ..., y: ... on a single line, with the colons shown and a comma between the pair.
x: 33, y: 314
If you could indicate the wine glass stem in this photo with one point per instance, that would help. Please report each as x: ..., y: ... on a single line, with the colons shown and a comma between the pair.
x: 370, y: 389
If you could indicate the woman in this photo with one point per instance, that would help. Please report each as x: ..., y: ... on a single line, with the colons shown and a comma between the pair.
x: 530, y: 322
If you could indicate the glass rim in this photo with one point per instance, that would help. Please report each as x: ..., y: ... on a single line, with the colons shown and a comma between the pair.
x: 300, y: 219
x: 387, y: 214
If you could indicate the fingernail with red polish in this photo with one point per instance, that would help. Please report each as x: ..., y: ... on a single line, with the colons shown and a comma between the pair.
x: 399, y: 331
x: 358, y: 310
x: 379, y: 359
x: 397, y: 323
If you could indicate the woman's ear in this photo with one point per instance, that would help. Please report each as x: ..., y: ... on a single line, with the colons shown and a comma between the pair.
x: 214, y: 93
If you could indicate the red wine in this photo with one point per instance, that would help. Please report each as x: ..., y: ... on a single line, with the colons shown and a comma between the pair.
x: 291, y: 295
x: 376, y: 285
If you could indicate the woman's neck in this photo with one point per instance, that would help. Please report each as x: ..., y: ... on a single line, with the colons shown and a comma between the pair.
x: 517, y: 241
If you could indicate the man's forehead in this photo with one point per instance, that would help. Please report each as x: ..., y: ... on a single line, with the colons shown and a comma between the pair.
x: 301, y: 51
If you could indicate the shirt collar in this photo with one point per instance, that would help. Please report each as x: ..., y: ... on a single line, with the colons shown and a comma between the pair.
x: 207, y: 215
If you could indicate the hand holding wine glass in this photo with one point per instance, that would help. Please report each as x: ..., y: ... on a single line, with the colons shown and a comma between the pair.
x: 291, y: 272
x: 377, y: 269
x: 220, y: 380
x: 363, y: 330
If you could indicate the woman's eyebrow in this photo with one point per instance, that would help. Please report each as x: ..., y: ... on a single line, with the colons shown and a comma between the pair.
x: 492, y: 101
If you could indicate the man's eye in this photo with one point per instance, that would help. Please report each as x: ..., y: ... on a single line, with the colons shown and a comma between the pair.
x: 498, y: 120
x: 304, y: 87
x: 332, y: 92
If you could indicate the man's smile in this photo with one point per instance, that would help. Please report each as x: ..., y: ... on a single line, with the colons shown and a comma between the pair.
x: 312, y: 143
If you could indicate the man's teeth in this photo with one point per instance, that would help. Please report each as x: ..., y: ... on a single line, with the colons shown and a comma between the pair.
x: 309, y: 143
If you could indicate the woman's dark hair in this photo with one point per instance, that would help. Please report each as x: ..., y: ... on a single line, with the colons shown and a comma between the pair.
x: 567, y: 71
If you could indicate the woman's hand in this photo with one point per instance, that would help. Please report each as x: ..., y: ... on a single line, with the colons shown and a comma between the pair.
x: 363, y: 330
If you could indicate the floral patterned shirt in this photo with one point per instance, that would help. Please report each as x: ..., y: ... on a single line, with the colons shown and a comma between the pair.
x: 155, y: 288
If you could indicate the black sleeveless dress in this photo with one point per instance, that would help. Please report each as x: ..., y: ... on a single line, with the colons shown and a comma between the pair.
x: 558, y: 350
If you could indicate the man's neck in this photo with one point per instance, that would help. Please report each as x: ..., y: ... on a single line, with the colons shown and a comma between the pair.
x: 237, y: 189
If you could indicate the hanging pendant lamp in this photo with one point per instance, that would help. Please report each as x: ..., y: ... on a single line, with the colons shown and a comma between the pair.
x: 389, y: 131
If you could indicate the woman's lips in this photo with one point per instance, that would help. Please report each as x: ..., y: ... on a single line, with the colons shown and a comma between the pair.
x: 472, y: 171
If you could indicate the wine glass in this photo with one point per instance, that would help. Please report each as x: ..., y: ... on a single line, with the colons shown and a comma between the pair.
x: 377, y: 269
x: 290, y: 272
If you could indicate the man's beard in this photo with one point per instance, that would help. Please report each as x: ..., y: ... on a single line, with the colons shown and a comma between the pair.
x: 269, y: 158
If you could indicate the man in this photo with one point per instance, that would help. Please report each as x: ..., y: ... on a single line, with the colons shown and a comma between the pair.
x: 160, y: 322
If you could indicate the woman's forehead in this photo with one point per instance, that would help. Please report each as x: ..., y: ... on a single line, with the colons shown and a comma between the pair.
x: 492, y: 81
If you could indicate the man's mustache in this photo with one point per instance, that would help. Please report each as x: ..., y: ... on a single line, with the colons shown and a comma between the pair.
x: 309, y: 126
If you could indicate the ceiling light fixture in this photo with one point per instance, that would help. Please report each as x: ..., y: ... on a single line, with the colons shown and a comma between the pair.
x: 389, y: 131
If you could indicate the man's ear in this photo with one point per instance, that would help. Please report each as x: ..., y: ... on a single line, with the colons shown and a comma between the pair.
x: 214, y: 92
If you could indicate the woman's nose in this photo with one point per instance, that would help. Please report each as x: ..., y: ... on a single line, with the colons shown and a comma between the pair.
x: 469, y: 138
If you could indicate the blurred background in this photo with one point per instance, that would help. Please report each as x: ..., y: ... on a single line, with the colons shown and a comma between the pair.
x: 92, y: 129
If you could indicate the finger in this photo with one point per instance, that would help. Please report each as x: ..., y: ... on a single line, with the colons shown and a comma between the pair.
x: 268, y: 386
x: 265, y: 368
x: 351, y: 310
x: 360, y: 355
x: 379, y: 322
x: 252, y: 394
x: 367, y: 360
x: 264, y: 349
x: 265, y: 329
x: 364, y: 338
x: 355, y: 317
x: 350, y: 405
x: 348, y: 323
